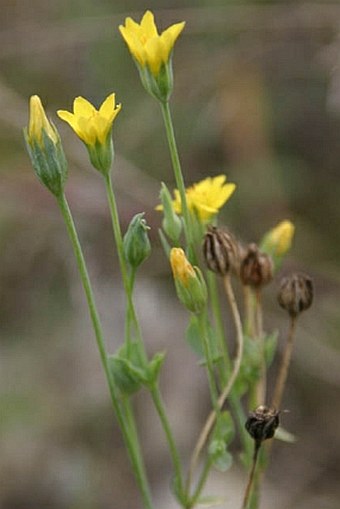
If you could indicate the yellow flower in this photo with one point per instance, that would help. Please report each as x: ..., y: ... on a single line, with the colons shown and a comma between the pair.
x: 38, y: 122
x: 182, y: 269
x: 279, y: 239
x: 91, y: 125
x: 204, y: 198
x: 146, y: 45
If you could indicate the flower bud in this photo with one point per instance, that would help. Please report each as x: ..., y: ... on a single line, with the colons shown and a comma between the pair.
x: 136, y: 241
x: 172, y: 225
x: 45, y: 149
x: 256, y: 267
x: 278, y: 240
x: 220, y: 251
x: 190, y: 285
x: 262, y: 423
x: 296, y: 293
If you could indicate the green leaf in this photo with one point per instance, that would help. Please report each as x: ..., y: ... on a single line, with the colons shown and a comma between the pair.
x: 194, y: 338
x: 250, y: 370
x: 221, y: 458
x: 210, y: 501
x: 222, y: 435
x: 154, y: 367
x: 124, y: 376
x: 128, y: 368
x: 165, y: 244
x: 224, y: 428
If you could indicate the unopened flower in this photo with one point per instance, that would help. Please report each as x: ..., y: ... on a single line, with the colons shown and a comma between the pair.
x: 278, y: 241
x: 94, y: 128
x: 39, y: 123
x: 136, y: 241
x: 45, y: 149
x: 172, y: 224
x: 152, y: 53
x: 205, y: 198
x: 190, y: 285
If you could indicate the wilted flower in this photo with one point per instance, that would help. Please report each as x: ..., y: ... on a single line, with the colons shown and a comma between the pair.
x: 256, y: 267
x: 296, y: 293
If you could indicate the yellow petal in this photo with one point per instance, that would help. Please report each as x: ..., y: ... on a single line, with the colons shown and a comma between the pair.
x: 39, y: 122
x: 83, y: 108
x: 148, y: 25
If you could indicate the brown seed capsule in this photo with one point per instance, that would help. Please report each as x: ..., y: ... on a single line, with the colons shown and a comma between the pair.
x: 220, y: 251
x: 262, y: 423
x: 256, y: 267
x: 296, y: 293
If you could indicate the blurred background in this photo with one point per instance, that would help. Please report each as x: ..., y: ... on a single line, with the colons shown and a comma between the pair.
x: 257, y: 96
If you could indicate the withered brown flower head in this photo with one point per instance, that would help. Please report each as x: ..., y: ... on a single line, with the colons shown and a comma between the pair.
x: 256, y: 267
x: 296, y: 293
x: 262, y: 423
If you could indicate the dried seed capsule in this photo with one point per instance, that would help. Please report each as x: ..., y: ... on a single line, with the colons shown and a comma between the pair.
x: 262, y: 423
x: 296, y: 293
x: 256, y: 267
x: 220, y: 251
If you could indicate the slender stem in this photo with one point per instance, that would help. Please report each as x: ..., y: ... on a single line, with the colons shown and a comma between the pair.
x: 177, y: 172
x: 158, y: 402
x: 261, y: 384
x: 224, y: 368
x: 201, y: 482
x: 129, y: 438
x: 122, y: 262
x: 237, y: 364
x: 283, y: 370
x: 248, y: 311
x: 251, y: 479
x: 209, y: 360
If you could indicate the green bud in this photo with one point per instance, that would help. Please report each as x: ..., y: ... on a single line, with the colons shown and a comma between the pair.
x: 45, y: 150
x: 190, y: 285
x: 172, y: 224
x: 136, y: 241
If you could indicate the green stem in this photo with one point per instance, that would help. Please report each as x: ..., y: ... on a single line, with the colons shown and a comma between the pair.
x: 178, y: 175
x: 202, y: 318
x: 224, y: 367
x: 158, y: 402
x: 201, y: 483
x: 130, y: 440
x: 122, y: 262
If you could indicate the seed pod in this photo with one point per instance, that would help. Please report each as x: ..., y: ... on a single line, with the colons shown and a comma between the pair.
x: 296, y: 293
x: 220, y: 251
x: 256, y: 267
x: 262, y: 423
